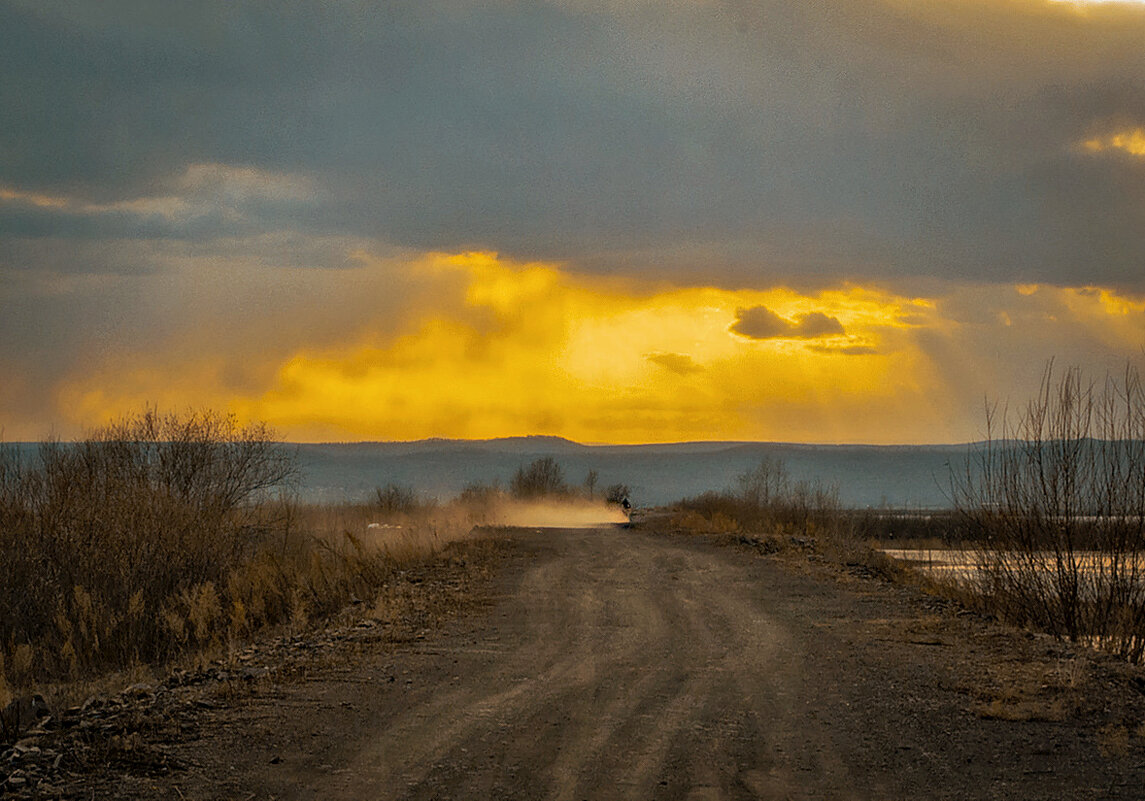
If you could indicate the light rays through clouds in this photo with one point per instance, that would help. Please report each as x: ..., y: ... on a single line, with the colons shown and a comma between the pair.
x: 497, y: 348
x: 834, y: 220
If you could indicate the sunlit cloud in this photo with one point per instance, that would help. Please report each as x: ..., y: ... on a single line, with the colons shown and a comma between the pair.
x: 679, y: 363
x: 1114, y: 319
x: 482, y: 346
x: 1130, y: 141
x: 535, y: 348
x: 1085, y: 8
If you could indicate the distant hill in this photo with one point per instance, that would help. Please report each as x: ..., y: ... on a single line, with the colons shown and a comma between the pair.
x: 867, y: 475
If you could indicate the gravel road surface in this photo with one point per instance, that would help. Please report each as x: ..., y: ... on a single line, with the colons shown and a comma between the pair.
x: 616, y: 664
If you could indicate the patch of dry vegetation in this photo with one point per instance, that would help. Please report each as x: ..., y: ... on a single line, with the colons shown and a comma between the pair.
x: 1022, y: 689
x: 1055, y: 507
x: 770, y: 512
x: 163, y: 536
x: 767, y: 509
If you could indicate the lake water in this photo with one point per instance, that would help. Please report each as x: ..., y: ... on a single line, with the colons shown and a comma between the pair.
x: 966, y: 566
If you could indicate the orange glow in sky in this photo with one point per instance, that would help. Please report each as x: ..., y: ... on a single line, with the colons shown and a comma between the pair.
x: 693, y: 221
x: 506, y: 349
x: 1131, y: 142
x: 536, y: 350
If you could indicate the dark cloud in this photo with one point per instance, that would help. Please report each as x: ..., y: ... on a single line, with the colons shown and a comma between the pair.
x: 808, y: 141
x: 112, y: 225
x: 760, y: 322
x: 679, y: 363
x: 817, y: 324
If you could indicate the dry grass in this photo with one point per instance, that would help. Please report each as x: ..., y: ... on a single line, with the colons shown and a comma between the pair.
x: 155, y: 541
x: 787, y: 516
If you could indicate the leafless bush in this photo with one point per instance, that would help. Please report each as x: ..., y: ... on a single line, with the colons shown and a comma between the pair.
x: 776, y: 500
x: 480, y: 501
x: 395, y: 500
x: 543, y: 477
x: 768, y: 501
x: 590, y: 480
x: 1055, y: 501
x: 162, y: 536
x: 767, y: 483
x: 98, y: 536
x: 617, y: 494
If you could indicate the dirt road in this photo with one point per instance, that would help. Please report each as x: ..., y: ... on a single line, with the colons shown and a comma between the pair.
x: 616, y: 664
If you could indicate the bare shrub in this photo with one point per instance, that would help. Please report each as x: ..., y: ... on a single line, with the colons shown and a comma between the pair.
x: 768, y: 501
x: 617, y: 494
x: 1054, y: 500
x: 394, y: 501
x: 97, y: 536
x: 590, y: 480
x: 542, y: 478
x: 163, y: 537
x: 768, y: 482
x: 480, y: 501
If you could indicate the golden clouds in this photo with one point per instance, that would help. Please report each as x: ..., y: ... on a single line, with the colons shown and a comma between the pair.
x: 1101, y: 2
x: 1116, y: 320
x: 471, y: 345
x: 676, y: 362
x: 536, y: 349
x: 1131, y: 142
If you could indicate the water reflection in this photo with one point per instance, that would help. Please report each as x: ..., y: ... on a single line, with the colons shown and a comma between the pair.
x: 966, y: 566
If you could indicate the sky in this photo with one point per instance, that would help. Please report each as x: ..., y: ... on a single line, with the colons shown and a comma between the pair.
x: 615, y: 221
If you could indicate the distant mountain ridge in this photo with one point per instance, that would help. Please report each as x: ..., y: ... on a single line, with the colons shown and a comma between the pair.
x: 913, y: 476
x: 529, y: 444
x: 867, y: 475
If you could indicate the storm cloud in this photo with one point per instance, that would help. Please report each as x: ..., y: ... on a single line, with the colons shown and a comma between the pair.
x: 820, y: 139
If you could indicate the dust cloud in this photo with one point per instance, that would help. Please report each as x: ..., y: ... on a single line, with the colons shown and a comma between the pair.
x: 557, y: 514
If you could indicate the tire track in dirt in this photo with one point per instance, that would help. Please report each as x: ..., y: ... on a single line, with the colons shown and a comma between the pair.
x: 634, y: 660
x: 624, y: 665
